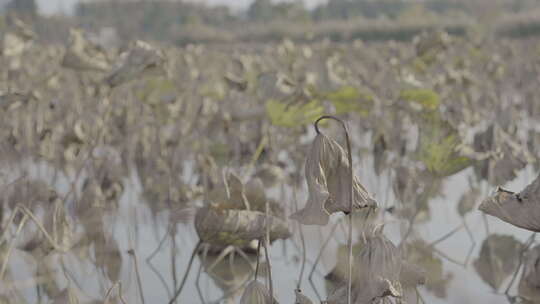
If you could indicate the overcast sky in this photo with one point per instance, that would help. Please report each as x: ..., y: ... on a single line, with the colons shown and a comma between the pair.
x: 55, y: 6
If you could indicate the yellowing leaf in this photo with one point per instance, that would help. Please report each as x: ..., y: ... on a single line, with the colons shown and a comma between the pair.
x: 440, y: 157
x: 437, y: 148
x: 285, y: 115
x: 156, y: 89
x: 428, y: 99
x: 350, y: 99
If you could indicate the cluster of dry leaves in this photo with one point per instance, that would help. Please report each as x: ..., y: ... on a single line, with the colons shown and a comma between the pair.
x: 223, y: 130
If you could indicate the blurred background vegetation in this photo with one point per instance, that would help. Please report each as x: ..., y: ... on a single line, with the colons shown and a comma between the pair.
x: 183, y: 22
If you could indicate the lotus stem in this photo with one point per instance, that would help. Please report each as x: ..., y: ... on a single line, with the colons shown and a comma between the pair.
x: 137, y: 273
x: 318, y: 258
x: 349, y: 157
x: 258, y: 255
x: 179, y: 290
x: 266, y: 244
x: 303, y: 242
x: 197, y: 285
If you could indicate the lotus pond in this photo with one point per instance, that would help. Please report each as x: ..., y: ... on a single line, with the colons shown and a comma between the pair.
x: 155, y: 174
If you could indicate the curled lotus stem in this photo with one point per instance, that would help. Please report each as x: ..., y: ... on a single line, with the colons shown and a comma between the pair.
x: 349, y: 157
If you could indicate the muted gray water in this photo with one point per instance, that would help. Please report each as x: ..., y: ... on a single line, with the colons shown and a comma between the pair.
x: 135, y: 228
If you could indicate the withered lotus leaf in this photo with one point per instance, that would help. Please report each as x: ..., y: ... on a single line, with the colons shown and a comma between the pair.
x: 519, y: 209
x: 237, y: 227
x: 142, y: 58
x: 82, y: 54
x: 376, y: 273
x: 327, y: 175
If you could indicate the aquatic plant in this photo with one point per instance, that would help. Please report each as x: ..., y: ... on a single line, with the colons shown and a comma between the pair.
x: 519, y: 209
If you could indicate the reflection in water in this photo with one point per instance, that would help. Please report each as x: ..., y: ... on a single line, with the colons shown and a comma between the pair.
x: 97, y: 257
x: 230, y: 273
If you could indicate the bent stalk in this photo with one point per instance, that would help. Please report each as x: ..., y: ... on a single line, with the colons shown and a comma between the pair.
x: 349, y: 157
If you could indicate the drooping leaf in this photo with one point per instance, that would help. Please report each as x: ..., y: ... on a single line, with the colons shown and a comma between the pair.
x: 519, y: 209
x: 376, y: 272
x: 327, y: 175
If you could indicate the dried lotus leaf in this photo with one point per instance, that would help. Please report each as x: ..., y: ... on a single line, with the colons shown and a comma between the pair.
x: 376, y: 272
x: 519, y: 209
x: 82, y: 54
x: 327, y: 176
x: 140, y: 59
x: 237, y: 227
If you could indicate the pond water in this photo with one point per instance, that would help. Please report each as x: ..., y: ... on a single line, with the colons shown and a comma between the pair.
x: 135, y: 226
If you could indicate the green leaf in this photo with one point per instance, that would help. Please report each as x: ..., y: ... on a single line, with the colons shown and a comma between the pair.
x: 427, y: 99
x: 349, y: 99
x: 155, y: 89
x: 437, y: 149
x: 294, y: 115
x: 220, y: 152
